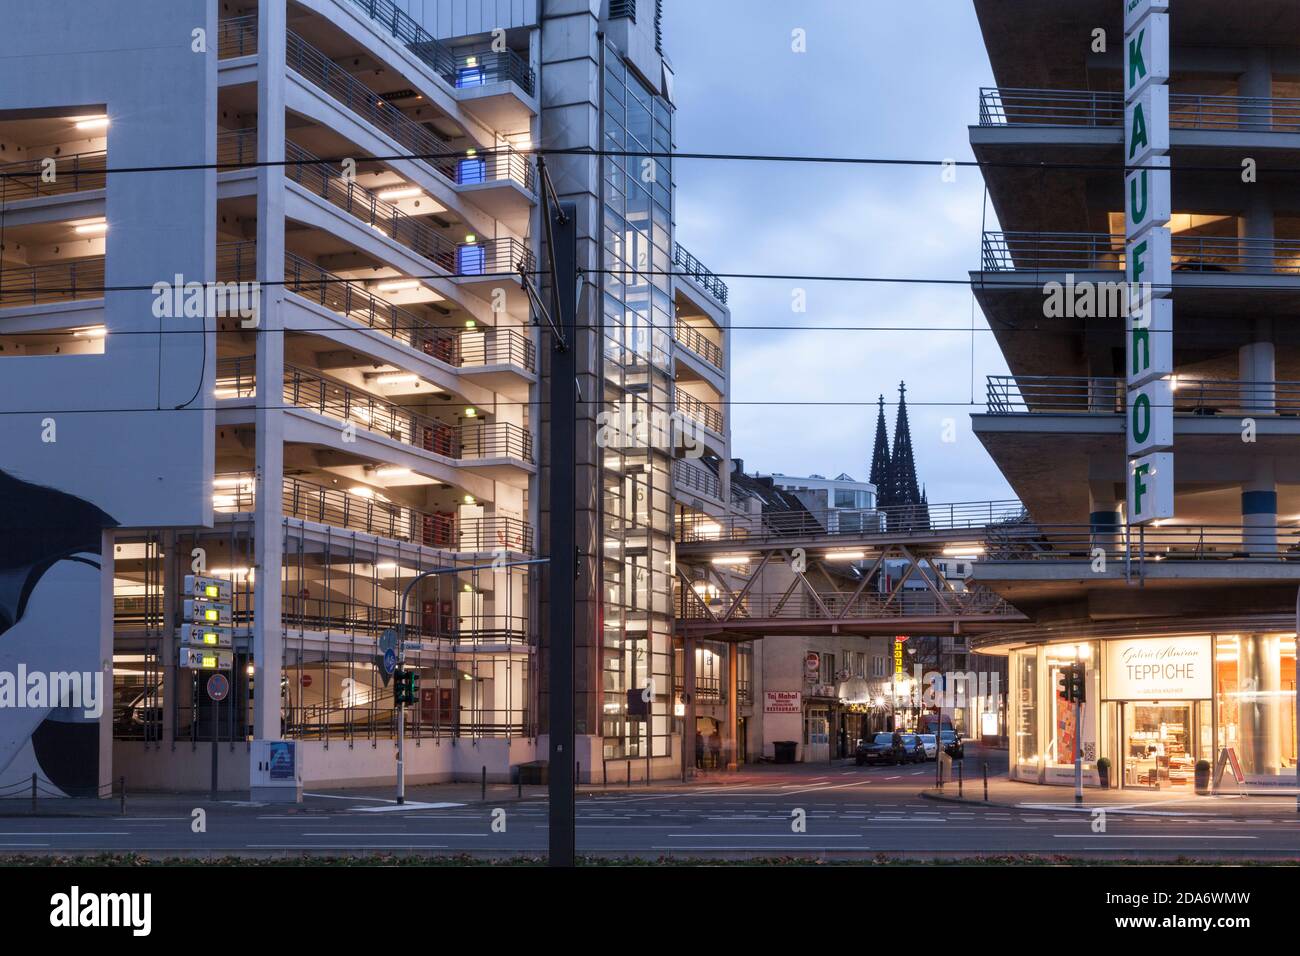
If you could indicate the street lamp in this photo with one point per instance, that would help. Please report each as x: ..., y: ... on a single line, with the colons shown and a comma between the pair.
x: 401, y: 650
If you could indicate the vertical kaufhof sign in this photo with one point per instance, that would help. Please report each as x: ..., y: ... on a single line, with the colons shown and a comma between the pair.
x: 1148, y: 254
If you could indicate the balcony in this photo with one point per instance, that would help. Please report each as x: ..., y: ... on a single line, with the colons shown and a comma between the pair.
x: 468, y: 169
x: 1053, y: 394
x: 691, y: 478
x: 340, y: 509
x: 695, y: 340
x: 1076, y: 252
x: 480, y: 257
x: 1026, y: 107
x: 305, y: 389
x: 460, y: 71
x: 81, y: 172
x: 686, y: 263
x: 69, y: 281
x: 470, y: 348
x: 237, y: 37
x: 702, y: 413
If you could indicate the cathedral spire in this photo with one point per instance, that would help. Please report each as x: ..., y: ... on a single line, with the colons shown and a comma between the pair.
x: 880, y: 459
x: 903, y: 488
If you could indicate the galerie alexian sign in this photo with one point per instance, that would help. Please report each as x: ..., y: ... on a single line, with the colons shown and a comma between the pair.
x: 1149, y: 261
x: 1174, y: 668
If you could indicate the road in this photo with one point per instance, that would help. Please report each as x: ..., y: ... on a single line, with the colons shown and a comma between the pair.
x: 833, y: 811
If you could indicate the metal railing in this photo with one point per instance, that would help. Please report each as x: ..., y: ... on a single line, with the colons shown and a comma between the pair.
x: 308, y: 501
x: 58, y: 282
x: 699, y: 343
x: 236, y: 37
x: 1171, y: 542
x: 461, y: 70
x: 237, y: 262
x: 691, y: 478
x: 848, y: 523
x: 1030, y: 107
x: 236, y: 147
x: 354, y: 618
x: 1011, y: 395
x: 499, y: 163
x: 72, y: 174
x: 303, y: 388
x: 482, y: 347
x: 697, y: 411
x: 687, y: 263
x: 479, y: 257
x: 1065, y: 251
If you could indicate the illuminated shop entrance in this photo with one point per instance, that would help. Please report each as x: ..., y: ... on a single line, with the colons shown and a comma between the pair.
x: 1160, y: 741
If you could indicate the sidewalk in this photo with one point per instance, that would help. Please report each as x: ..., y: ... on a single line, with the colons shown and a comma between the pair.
x: 1010, y: 794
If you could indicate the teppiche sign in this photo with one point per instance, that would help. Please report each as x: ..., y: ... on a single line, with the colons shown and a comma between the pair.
x: 1175, y: 668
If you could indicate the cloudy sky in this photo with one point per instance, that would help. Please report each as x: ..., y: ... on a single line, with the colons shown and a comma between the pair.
x: 898, y: 80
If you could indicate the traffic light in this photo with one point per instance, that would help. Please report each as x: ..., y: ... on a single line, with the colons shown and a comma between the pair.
x: 406, y: 687
x: 1078, y: 694
x: 1064, y: 685
x: 1070, y: 683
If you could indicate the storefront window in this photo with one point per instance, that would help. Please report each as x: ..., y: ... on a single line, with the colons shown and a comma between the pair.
x: 1255, y: 697
x: 1024, y: 669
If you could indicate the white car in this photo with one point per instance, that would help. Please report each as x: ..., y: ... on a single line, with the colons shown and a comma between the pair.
x: 931, y: 746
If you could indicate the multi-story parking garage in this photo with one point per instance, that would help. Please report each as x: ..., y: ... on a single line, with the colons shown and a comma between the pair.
x: 1186, y: 624
x: 360, y: 403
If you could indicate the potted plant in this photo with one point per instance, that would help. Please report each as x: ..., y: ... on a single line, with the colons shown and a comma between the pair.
x: 1103, y: 772
x: 1202, y: 776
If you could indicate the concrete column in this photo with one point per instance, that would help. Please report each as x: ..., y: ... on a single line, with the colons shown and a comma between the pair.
x: 688, y: 698
x: 1257, y: 371
x: 1257, y: 84
x: 1104, y: 515
x: 730, y: 735
x: 1259, y: 510
x: 168, y: 650
x: 1260, y: 708
x: 1256, y: 227
x: 268, y: 530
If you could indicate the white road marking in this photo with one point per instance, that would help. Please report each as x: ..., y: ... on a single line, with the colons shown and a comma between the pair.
x: 401, y: 807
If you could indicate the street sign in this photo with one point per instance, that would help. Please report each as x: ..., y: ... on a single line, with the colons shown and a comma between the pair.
x: 218, y: 687
x: 388, y: 640
x: 205, y: 588
x: 390, y: 661
x: 207, y: 612
x: 198, y: 658
x: 196, y: 635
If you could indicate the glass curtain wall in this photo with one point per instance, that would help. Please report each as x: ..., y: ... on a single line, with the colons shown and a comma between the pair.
x: 636, y: 241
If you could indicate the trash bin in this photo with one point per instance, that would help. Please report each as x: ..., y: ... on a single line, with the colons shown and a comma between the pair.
x: 785, y: 750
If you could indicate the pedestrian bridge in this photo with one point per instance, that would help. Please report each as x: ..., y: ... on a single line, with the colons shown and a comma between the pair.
x: 839, y: 571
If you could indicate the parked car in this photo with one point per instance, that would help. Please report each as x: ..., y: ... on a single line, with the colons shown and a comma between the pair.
x: 913, y: 749
x: 953, y: 745
x: 931, y: 744
x: 879, y: 749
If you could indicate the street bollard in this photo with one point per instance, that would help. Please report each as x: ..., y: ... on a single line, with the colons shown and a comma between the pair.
x: 604, y: 771
x: 627, y: 776
x: 986, y: 781
x: 960, y: 780
x: 520, y: 794
x: 940, y: 770
x: 33, y: 793
x: 483, y: 785
x: 122, y: 781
